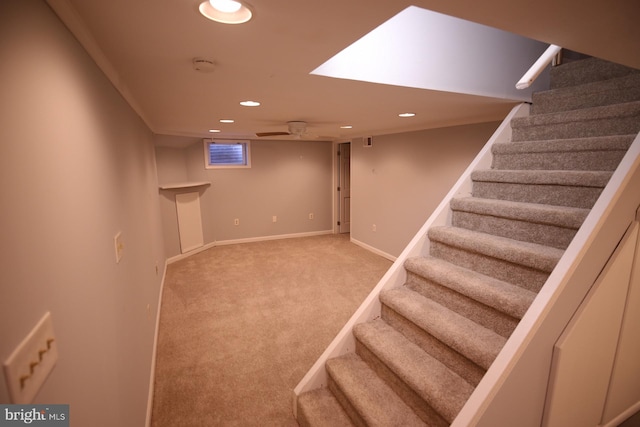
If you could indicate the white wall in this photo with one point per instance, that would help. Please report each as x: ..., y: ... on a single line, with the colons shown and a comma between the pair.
x: 78, y: 166
x: 287, y: 179
x: 453, y: 55
x: 398, y: 182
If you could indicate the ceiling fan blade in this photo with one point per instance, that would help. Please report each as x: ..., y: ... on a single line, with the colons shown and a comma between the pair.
x: 261, y: 134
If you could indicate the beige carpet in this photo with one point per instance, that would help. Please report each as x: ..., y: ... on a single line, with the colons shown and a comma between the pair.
x: 241, y: 324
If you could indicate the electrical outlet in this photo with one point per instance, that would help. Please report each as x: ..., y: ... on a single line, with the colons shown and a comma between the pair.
x: 119, y: 246
x: 275, y: 219
x: 29, y: 365
x: 310, y: 216
x: 236, y: 221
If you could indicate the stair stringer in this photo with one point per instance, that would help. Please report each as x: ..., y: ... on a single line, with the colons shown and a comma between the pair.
x: 514, y: 389
x: 344, y: 342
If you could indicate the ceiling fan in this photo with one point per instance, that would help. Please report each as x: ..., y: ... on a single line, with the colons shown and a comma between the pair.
x: 296, y: 128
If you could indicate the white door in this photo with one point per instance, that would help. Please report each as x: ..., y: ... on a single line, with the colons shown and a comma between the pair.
x: 344, y: 188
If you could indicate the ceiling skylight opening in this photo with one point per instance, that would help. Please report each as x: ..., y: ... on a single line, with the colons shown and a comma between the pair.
x: 250, y: 103
x: 406, y: 114
x: 226, y: 11
x: 226, y: 120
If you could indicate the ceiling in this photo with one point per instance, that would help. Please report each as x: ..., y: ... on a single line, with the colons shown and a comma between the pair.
x: 146, y: 48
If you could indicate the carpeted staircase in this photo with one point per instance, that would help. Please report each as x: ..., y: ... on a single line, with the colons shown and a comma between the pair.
x: 438, y: 334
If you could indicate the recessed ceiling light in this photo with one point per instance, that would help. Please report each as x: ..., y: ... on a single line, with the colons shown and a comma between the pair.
x: 346, y: 127
x: 406, y: 114
x: 225, y: 11
x: 214, y: 130
x: 226, y: 121
x: 226, y: 6
x: 250, y: 103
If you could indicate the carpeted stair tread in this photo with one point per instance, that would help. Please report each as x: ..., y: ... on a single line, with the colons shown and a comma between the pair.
x: 505, y: 297
x: 541, y: 223
x: 596, y: 143
x: 564, y: 216
x: 597, y: 179
x: 319, y: 408
x: 539, y: 257
x: 576, y: 188
x: 586, y: 71
x: 442, y: 389
x: 476, y: 343
x: 593, y: 153
x: 373, y: 400
x: 615, y: 119
x: 604, y: 92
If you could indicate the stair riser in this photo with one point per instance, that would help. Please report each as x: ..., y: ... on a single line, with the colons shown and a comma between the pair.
x: 320, y: 408
x: 543, y: 234
x: 355, y: 417
x: 427, y: 413
x: 525, y: 277
x: 489, y: 317
x: 605, y: 93
x: 581, y: 160
x: 459, y: 364
x: 587, y: 71
x: 579, y: 197
x: 576, y: 129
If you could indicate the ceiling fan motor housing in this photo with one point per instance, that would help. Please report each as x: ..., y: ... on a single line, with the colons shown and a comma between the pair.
x: 297, y: 127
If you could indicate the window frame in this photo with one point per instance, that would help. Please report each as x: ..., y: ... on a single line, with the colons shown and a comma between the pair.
x: 246, y: 154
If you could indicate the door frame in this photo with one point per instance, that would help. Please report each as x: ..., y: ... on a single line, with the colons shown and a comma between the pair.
x: 336, y: 183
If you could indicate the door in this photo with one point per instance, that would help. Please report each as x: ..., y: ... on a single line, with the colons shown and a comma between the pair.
x: 344, y: 187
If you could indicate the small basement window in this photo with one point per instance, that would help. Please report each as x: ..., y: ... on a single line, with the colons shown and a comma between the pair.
x: 227, y: 154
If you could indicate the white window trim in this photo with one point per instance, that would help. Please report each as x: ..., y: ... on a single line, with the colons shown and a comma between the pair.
x: 206, y: 143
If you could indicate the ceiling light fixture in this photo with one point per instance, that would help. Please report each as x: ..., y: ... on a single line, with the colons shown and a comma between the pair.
x: 214, y: 130
x: 225, y: 11
x: 406, y: 114
x: 226, y: 121
x: 346, y: 127
x: 250, y: 103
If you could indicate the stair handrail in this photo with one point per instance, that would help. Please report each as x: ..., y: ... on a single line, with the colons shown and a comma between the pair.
x: 545, y: 59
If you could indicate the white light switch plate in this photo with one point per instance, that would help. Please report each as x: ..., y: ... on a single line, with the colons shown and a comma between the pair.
x: 119, y: 246
x: 31, y: 362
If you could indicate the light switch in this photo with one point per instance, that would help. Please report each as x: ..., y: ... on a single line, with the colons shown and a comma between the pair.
x: 119, y: 246
x: 31, y: 362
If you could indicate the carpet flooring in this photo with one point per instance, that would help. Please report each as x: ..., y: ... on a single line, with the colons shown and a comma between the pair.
x: 240, y: 325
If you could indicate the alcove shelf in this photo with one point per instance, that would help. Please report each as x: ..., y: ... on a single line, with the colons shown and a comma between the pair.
x: 180, y: 185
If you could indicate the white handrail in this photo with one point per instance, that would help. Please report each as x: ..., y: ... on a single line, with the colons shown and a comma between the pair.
x: 535, y: 70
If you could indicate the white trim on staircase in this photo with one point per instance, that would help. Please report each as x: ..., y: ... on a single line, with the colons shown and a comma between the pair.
x: 344, y: 342
x: 526, y: 357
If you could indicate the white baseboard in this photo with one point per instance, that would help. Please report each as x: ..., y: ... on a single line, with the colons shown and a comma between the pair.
x: 152, y: 374
x: 248, y: 240
x: 374, y: 250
